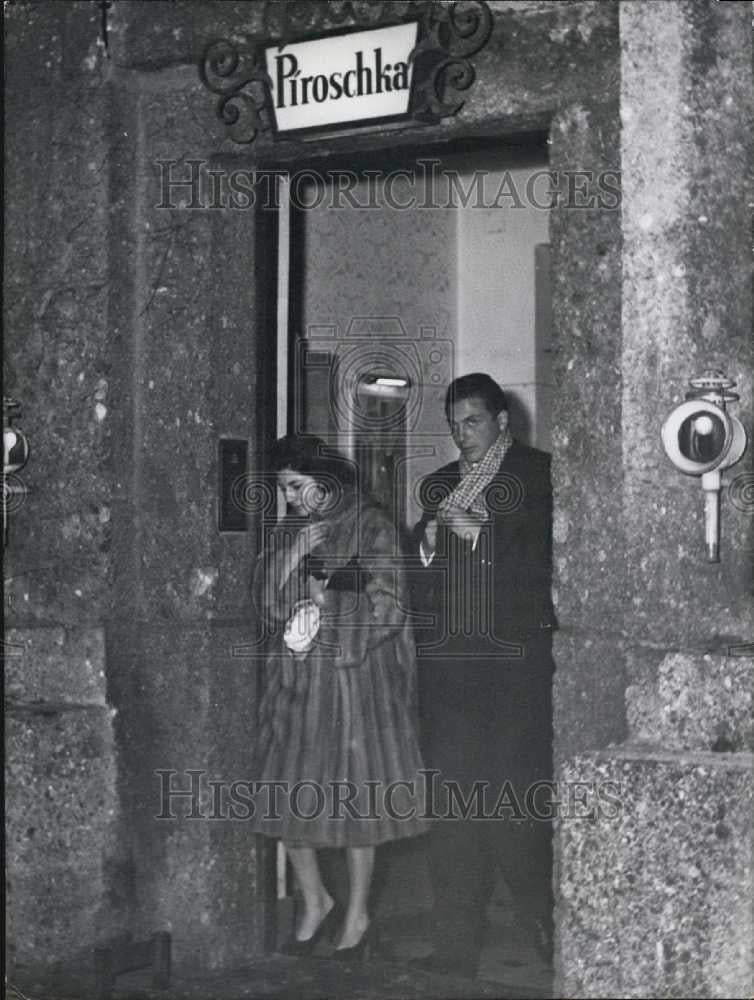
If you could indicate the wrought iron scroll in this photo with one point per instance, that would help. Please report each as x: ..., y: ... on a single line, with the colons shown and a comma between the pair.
x: 449, y: 34
x: 239, y: 77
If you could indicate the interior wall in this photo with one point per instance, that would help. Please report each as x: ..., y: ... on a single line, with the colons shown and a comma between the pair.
x: 463, y: 268
x: 497, y: 330
x: 387, y: 275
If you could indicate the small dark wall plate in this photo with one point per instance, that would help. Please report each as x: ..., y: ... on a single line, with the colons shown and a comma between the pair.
x: 233, y: 468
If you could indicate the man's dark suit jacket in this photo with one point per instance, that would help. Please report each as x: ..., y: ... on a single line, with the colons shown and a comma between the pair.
x: 501, y: 588
x: 485, y: 706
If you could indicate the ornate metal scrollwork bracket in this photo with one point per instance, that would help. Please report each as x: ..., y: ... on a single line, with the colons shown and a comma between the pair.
x: 240, y: 79
x: 449, y: 34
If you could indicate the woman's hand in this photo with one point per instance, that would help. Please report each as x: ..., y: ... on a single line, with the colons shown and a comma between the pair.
x: 308, y: 538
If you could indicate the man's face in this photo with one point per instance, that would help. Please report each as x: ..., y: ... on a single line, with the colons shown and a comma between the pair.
x: 474, y: 428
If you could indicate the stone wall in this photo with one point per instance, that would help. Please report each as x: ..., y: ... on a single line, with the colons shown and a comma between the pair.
x: 134, y: 339
x: 66, y: 862
x: 131, y: 354
x: 656, y: 901
x: 184, y: 328
x: 132, y: 346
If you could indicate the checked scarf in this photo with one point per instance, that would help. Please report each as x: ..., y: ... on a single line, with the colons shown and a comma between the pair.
x: 469, y: 494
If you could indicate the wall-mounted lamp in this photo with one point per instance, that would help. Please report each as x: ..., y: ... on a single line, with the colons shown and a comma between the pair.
x: 701, y: 439
x: 15, y: 457
x: 396, y: 386
x: 397, y: 383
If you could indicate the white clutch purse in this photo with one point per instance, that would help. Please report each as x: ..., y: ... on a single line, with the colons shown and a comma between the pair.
x: 302, y: 627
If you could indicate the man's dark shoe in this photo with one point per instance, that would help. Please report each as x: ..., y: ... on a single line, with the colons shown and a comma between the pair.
x: 459, y: 967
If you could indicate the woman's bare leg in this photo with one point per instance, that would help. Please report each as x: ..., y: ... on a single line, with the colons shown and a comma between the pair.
x: 360, y: 868
x: 317, y: 900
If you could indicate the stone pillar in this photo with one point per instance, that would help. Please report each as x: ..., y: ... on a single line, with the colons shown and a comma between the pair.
x: 656, y: 900
x: 186, y: 324
x: 685, y: 151
x: 62, y: 810
x: 656, y: 889
x: 67, y: 861
x: 587, y: 474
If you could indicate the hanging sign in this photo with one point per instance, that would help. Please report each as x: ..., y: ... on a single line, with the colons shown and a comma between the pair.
x: 358, y: 76
x: 301, y: 75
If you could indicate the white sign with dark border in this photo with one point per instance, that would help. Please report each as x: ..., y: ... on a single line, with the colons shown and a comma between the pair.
x: 355, y: 77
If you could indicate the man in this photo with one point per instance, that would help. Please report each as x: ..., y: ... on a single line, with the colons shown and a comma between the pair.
x: 482, y: 587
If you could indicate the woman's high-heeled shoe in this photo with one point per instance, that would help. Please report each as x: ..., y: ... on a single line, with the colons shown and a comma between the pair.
x: 364, y: 950
x: 300, y: 949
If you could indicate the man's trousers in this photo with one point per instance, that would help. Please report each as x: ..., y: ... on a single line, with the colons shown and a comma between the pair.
x: 487, y: 728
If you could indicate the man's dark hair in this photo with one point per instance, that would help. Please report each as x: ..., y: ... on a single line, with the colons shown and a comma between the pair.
x: 479, y: 385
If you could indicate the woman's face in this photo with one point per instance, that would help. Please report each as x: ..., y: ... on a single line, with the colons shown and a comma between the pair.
x: 302, y: 493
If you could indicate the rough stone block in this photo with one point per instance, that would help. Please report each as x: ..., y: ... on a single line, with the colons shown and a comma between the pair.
x: 61, y: 811
x: 57, y: 919
x: 55, y: 665
x: 656, y: 901
x: 195, y: 709
x: 693, y: 702
x: 588, y: 692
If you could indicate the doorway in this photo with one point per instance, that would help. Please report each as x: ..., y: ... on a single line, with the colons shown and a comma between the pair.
x: 409, y: 272
x: 394, y: 277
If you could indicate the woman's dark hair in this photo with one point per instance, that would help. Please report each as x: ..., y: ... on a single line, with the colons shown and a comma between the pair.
x: 313, y: 457
x: 476, y: 385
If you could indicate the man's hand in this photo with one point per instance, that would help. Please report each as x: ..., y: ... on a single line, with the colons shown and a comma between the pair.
x: 317, y: 590
x: 429, y: 540
x: 463, y: 523
x: 382, y: 602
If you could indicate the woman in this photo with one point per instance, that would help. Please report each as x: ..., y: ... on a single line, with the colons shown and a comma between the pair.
x: 337, y: 709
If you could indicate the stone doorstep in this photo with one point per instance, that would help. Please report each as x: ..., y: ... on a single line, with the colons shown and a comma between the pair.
x: 508, y: 969
x: 279, y: 978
